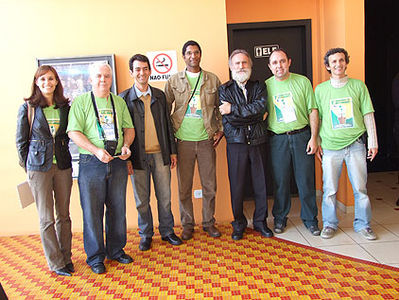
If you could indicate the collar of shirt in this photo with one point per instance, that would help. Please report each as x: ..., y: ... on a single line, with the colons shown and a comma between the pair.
x: 140, y: 93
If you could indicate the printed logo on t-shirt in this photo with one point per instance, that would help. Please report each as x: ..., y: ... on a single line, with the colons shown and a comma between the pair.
x: 194, y: 107
x: 53, y: 124
x: 284, y: 107
x: 106, y: 117
x: 342, y: 113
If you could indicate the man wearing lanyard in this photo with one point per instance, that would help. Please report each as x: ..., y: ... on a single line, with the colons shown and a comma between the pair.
x: 153, y: 152
x: 100, y: 124
x: 293, y: 124
x: 243, y: 106
x: 198, y: 129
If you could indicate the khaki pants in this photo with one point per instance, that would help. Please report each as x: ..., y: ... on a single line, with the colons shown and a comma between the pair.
x: 55, y: 233
x: 187, y: 153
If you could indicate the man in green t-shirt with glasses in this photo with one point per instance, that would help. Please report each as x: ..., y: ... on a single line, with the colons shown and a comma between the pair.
x: 198, y: 128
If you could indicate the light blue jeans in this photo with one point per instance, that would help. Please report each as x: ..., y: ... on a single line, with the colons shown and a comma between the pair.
x: 142, y: 190
x: 354, y: 156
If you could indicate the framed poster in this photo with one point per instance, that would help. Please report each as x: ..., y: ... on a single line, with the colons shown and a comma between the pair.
x: 74, y: 75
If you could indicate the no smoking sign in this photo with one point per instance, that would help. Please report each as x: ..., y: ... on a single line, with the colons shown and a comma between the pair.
x: 163, y: 64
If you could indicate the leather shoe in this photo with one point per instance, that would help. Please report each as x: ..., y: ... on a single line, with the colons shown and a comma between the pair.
x: 98, y: 268
x: 237, y: 235
x: 212, y: 231
x: 124, y: 259
x: 63, y: 272
x: 145, y: 244
x: 172, y: 239
x: 264, y: 230
x: 187, y: 234
x: 70, y: 267
x: 279, y: 228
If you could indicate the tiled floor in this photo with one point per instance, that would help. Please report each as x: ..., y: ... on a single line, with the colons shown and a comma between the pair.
x: 383, y: 190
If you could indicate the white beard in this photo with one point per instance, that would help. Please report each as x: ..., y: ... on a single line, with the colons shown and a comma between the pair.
x: 242, y: 75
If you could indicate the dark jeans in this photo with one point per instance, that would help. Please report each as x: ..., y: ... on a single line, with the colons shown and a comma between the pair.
x: 141, y: 181
x: 289, y: 152
x: 103, y: 184
x: 241, y: 157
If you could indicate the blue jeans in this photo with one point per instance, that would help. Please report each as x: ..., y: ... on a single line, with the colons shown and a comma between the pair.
x: 288, y: 152
x: 355, y: 160
x: 103, y: 184
x: 142, y: 190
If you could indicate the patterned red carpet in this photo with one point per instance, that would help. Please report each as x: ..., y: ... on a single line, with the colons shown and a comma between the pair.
x: 253, y: 268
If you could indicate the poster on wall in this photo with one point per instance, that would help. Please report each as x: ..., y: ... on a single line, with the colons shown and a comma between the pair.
x: 163, y: 64
x: 74, y: 75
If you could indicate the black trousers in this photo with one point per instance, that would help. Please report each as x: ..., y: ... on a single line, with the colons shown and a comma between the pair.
x: 242, y: 158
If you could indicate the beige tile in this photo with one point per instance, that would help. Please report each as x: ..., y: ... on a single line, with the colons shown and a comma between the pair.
x: 382, y: 233
x: 292, y: 234
x: 384, y: 252
x: 354, y: 251
x: 394, y: 228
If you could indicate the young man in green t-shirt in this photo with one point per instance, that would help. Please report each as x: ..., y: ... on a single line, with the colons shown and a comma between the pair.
x: 293, y: 124
x: 346, y: 113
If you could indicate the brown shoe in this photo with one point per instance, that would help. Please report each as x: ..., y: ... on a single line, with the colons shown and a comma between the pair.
x: 212, y: 231
x: 187, y: 234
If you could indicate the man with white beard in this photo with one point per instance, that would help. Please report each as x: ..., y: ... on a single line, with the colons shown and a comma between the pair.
x: 243, y: 107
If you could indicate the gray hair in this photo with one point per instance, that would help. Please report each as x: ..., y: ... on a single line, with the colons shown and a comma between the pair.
x: 238, y: 51
x: 93, y: 68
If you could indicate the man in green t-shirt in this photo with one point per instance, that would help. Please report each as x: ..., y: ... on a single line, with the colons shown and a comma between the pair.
x: 198, y: 128
x: 100, y: 124
x: 293, y: 124
x: 346, y: 113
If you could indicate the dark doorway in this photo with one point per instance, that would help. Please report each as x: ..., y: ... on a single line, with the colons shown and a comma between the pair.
x: 259, y: 39
x: 381, y: 66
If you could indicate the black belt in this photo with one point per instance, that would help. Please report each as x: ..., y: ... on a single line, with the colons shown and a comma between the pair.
x: 292, y: 132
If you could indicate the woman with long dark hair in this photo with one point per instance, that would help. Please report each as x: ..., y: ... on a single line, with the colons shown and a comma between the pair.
x: 43, y: 152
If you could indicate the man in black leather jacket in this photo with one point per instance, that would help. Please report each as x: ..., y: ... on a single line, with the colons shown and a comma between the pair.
x: 243, y: 107
x: 153, y: 152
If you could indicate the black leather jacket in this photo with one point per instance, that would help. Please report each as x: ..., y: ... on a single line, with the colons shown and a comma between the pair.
x: 245, y: 124
x: 37, y: 154
x: 163, y: 126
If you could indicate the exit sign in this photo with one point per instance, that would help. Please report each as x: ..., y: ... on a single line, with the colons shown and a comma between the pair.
x: 264, y: 50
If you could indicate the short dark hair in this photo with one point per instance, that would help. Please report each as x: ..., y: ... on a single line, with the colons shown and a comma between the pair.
x: 190, y: 43
x: 280, y: 50
x: 139, y: 57
x: 333, y: 51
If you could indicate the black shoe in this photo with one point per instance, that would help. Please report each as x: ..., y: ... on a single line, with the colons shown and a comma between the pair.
x: 279, y: 228
x: 314, y: 229
x: 63, y: 272
x: 70, y: 267
x: 237, y: 235
x: 124, y: 259
x: 264, y: 230
x: 172, y: 239
x: 98, y: 268
x: 145, y: 243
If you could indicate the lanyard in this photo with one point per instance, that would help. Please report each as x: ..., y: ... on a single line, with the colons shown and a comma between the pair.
x: 192, y: 94
x: 98, y: 119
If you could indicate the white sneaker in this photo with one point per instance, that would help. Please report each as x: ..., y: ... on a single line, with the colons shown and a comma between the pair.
x: 327, y: 232
x: 368, y: 233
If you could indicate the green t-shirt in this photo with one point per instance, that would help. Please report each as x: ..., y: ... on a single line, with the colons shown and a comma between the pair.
x: 53, y: 119
x: 341, y: 111
x: 192, y: 127
x: 83, y: 118
x: 289, y: 103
